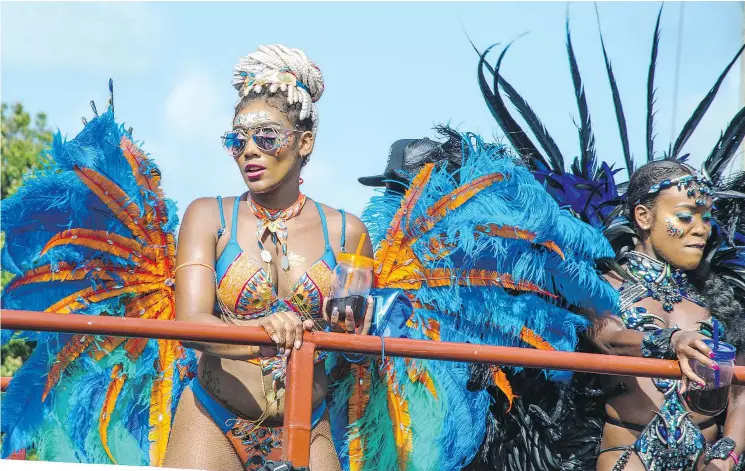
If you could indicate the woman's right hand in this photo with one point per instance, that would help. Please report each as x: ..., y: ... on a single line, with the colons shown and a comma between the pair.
x: 286, y: 330
x: 688, y: 345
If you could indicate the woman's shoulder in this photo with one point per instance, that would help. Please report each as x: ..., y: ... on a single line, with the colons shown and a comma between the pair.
x: 334, y: 215
x: 205, y: 212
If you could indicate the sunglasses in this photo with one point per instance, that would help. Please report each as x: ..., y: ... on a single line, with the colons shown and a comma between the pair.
x: 267, y: 139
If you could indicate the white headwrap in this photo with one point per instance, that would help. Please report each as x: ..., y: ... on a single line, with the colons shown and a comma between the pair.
x: 284, y: 69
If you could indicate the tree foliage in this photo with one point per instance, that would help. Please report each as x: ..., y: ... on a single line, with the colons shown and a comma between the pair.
x: 23, y: 141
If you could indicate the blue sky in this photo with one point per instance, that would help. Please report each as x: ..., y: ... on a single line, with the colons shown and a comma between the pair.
x: 392, y: 70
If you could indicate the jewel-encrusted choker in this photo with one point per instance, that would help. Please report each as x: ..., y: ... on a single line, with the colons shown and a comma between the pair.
x: 655, y: 279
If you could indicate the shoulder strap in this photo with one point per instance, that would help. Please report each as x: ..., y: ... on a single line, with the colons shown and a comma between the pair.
x: 221, y: 231
x: 234, y: 226
x: 343, y: 231
x: 323, y: 224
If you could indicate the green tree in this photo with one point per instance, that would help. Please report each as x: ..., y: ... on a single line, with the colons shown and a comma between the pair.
x: 23, y: 140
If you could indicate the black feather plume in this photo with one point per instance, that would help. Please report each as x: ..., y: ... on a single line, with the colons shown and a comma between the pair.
x: 536, y: 126
x: 701, y: 109
x: 726, y: 146
x: 620, y: 117
x: 651, y: 90
x: 586, y: 138
x: 517, y: 137
x: 555, y: 157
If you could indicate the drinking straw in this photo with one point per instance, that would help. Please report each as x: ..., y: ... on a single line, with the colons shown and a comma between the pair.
x: 716, y: 349
x: 360, y: 244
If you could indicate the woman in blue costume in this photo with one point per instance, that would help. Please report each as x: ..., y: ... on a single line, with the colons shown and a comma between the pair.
x: 664, y: 315
x: 92, y: 233
x: 263, y: 258
x: 678, y: 238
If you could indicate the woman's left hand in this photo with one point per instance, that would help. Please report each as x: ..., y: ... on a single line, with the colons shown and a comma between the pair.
x: 347, y: 324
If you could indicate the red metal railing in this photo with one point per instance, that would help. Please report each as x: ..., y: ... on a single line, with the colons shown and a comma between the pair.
x: 296, y: 438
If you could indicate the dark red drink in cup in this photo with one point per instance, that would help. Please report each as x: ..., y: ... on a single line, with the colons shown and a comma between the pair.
x: 712, y: 398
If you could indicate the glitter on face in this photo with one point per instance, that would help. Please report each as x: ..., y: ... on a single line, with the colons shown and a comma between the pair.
x: 252, y: 119
x: 672, y: 228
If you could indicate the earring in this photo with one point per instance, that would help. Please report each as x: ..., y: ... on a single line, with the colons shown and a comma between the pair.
x: 301, y: 180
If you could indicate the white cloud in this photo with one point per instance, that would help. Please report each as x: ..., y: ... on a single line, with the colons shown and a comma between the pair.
x: 111, y: 36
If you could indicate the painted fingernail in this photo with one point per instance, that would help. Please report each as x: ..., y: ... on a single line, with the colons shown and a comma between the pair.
x: 701, y: 385
x: 715, y: 367
x: 297, y: 344
x: 281, y: 350
x: 275, y: 339
x: 711, y: 354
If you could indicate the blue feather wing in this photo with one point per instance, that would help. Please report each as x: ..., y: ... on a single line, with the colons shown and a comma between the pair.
x: 547, y: 255
x: 91, y: 233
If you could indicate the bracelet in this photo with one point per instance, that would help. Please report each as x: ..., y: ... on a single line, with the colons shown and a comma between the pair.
x: 656, y: 344
x: 735, y: 458
x: 721, y: 450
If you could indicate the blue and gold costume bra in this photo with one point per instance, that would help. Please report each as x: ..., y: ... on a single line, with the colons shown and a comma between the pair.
x: 245, y: 291
x: 244, y: 287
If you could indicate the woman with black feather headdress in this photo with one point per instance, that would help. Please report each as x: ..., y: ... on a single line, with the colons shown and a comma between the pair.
x: 679, y: 268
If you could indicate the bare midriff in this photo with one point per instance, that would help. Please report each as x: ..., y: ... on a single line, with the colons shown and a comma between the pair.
x: 238, y: 386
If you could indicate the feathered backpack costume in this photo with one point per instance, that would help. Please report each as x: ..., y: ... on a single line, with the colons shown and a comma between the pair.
x: 484, y: 255
x: 91, y: 233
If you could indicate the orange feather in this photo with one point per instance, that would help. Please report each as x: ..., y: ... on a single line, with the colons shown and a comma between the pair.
x: 440, y: 277
x: 112, y: 393
x: 135, y: 347
x: 356, y: 409
x: 107, y: 346
x: 114, y: 198
x: 114, y: 244
x: 501, y: 381
x: 71, y: 302
x: 453, y: 200
x: 394, y: 235
x: 69, y: 353
x: 511, y: 232
x: 398, y: 409
x: 160, y: 402
x: 534, y: 340
x: 135, y: 157
x: 418, y: 375
x: 139, y: 307
x: 70, y: 272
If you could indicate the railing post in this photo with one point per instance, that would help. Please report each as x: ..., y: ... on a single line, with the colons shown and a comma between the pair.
x: 298, y: 398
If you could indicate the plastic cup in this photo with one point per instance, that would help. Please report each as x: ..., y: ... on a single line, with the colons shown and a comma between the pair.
x: 351, y: 283
x: 712, y: 398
